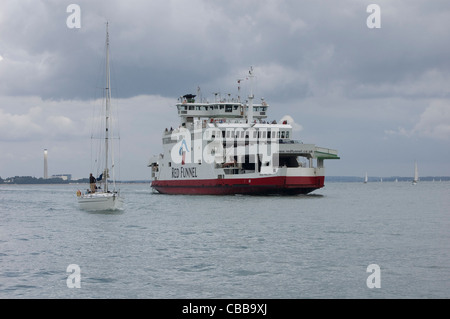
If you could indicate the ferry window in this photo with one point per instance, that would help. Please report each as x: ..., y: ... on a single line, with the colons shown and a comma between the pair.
x: 242, y: 134
x: 278, y: 134
x: 268, y: 134
x: 254, y: 134
x: 221, y: 107
x: 229, y: 108
x: 263, y: 109
x: 287, y: 134
x: 197, y: 108
x: 282, y: 134
x: 228, y: 134
x: 236, y: 107
x: 191, y: 107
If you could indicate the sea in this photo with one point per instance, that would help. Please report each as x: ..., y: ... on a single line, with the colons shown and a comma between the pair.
x: 380, y: 240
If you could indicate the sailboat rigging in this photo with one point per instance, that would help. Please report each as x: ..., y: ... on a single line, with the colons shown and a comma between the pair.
x: 108, y: 197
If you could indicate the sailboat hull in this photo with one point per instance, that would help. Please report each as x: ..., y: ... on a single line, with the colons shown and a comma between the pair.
x: 101, y: 202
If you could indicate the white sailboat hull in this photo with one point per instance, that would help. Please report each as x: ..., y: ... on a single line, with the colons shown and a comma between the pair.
x: 101, y: 202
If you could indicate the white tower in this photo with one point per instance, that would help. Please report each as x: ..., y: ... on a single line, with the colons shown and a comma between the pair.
x: 45, y: 165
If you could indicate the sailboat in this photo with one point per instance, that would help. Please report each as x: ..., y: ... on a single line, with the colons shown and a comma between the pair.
x: 105, y: 197
x: 366, y: 179
x: 416, y: 174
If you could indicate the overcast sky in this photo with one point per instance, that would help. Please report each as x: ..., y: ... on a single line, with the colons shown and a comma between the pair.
x: 380, y: 96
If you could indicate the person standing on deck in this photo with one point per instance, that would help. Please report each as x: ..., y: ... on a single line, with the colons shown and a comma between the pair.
x: 92, y: 182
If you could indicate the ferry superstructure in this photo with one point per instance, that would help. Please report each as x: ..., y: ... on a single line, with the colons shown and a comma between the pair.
x: 228, y: 147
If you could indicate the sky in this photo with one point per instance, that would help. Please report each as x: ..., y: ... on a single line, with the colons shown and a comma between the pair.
x: 373, y: 84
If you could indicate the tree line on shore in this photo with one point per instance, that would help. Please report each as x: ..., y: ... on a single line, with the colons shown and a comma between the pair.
x: 34, y: 180
x: 58, y: 180
x: 53, y: 180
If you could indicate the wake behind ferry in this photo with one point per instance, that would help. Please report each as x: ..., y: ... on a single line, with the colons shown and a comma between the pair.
x: 228, y: 147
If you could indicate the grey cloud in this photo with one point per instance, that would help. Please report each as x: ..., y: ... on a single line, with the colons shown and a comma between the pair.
x: 165, y: 47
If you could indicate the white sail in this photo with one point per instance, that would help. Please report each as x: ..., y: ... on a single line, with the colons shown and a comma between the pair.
x: 416, y: 174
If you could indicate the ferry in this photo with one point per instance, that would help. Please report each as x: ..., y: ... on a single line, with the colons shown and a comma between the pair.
x: 229, y: 147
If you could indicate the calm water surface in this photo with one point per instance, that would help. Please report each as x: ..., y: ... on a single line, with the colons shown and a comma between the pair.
x: 162, y: 246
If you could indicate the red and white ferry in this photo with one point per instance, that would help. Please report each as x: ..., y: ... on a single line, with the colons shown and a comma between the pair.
x: 228, y: 147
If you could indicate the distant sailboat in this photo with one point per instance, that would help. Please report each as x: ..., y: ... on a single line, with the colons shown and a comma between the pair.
x: 366, y: 179
x: 416, y: 174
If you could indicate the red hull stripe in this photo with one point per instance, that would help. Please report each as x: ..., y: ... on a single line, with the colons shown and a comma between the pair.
x: 261, y: 185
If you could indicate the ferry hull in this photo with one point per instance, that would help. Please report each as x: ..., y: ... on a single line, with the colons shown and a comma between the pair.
x: 288, y: 185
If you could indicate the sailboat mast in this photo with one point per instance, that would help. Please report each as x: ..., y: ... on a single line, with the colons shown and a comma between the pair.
x: 107, y: 113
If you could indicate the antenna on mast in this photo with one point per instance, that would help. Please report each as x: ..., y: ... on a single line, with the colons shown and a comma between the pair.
x: 199, y: 93
x: 251, y: 96
x: 239, y: 89
x: 215, y: 96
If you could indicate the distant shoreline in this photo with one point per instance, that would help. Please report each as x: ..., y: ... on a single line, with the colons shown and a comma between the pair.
x: 29, y: 180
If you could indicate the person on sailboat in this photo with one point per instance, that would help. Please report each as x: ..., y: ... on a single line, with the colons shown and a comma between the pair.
x: 92, y: 182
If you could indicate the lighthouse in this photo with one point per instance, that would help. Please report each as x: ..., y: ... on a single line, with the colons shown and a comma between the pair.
x: 45, y: 164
